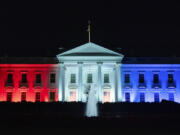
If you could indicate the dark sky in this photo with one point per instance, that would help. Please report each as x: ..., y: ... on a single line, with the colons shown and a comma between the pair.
x: 143, y: 28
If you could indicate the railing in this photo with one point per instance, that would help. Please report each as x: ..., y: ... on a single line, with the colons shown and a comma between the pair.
x: 156, y: 85
x: 9, y: 84
x: 171, y: 85
x: 72, y: 86
x: 127, y: 85
x: 142, y: 85
x: 38, y: 85
x: 23, y: 85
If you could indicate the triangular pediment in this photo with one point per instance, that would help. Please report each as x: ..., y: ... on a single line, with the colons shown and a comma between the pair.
x: 90, y: 52
x: 90, y: 49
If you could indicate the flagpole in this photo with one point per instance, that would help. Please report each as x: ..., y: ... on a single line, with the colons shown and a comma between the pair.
x: 89, y: 30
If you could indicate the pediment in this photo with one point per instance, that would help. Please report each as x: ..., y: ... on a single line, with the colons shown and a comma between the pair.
x: 90, y: 51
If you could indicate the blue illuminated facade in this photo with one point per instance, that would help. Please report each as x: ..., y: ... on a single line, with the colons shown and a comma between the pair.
x: 150, y: 82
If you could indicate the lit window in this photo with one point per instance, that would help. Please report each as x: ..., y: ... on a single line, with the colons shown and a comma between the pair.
x: 38, y: 78
x: 72, y: 96
x: 106, y: 96
x: 127, y: 97
x: 170, y: 78
x: 23, y: 96
x: 141, y: 78
x: 171, y: 97
x: 89, y: 78
x: 127, y: 78
x: 52, y: 78
x: 9, y: 96
x: 106, y: 78
x: 52, y: 96
x: 73, y: 78
x: 24, y: 78
x: 156, y: 97
x: 37, y: 96
x: 142, y: 97
x: 155, y: 78
x: 10, y: 78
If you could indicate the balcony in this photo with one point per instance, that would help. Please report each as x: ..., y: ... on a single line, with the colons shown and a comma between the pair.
x: 38, y: 85
x: 156, y: 85
x: 171, y: 85
x: 72, y: 86
x: 127, y: 86
x: 9, y: 84
x: 106, y: 86
x: 23, y: 85
x: 142, y: 85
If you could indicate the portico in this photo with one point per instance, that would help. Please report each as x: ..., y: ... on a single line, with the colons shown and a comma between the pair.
x: 90, y: 64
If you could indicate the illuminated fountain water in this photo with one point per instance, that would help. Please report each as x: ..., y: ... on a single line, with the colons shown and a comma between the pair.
x: 91, y: 106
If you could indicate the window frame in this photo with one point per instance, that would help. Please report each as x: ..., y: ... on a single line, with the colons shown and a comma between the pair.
x: 89, y: 78
x: 54, y: 78
x: 38, y: 73
x: 106, y: 78
x: 73, y: 78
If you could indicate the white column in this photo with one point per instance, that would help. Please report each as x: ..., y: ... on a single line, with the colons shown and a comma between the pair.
x: 118, y: 90
x: 99, y: 82
x: 80, y: 81
x: 61, y: 82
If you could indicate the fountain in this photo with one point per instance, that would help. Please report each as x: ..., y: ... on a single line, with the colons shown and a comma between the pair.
x: 91, y: 106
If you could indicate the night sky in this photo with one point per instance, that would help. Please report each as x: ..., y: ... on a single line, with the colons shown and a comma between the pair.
x: 144, y: 28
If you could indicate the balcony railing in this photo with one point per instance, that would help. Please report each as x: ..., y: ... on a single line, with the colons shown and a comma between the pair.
x: 38, y: 84
x: 106, y: 86
x: 127, y: 85
x: 23, y: 85
x: 156, y: 85
x: 72, y: 86
x: 142, y: 85
x: 7, y: 84
x: 171, y: 85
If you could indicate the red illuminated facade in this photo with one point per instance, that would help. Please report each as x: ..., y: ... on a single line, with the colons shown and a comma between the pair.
x: 29, y: 82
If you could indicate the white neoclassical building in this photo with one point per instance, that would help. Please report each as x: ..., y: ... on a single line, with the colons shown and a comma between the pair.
x: 90, y: 64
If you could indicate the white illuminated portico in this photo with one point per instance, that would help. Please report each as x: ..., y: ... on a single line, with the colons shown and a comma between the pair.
x: 90, y: 64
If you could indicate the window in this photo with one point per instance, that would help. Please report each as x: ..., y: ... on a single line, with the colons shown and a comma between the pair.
x: 170, y: 78
x: 73, y: 78
x: 141, y: 78
x: 9, y: 96
x: 155, y: 78
x: 156, y: 97
x: 72, y: 95
x: 10, y: 78
x: 37, y: 96
x: 89, y: 78
x: 127, y: 97
x: 127, y: 78
x: 52, y: 78
x: 52, y: 96
x: 142, y: 97
x: 106, y: 96
x: 106, y: 78
x: 171, y: 97
x: 24, y: 78
x: 38, y: 78
x: 23, y: 96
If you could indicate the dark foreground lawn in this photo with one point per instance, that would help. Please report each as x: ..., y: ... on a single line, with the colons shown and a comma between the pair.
x: 68, y: 118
